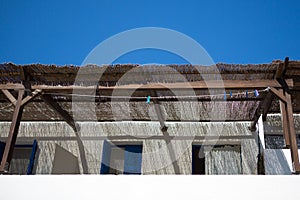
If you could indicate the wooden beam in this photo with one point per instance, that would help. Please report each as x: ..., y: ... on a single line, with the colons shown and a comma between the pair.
x: 293, y: 138
x: 11, y: 98
x: 285, y: 123
x: 13, y: 132
x: 64, y: 114
x: 278, y: 93
x: 202, y: 85
x: 9, y: 86
x: 33, y: 94
x: 24, y: 101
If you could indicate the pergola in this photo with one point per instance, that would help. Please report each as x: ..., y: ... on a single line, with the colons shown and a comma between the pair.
x: 28, y: 91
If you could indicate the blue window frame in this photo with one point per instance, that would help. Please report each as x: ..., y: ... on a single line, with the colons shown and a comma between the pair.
x: 121, y: 159
x: 31, y: 158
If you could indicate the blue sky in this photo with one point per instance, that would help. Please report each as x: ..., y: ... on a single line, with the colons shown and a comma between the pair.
x: 64, y: 32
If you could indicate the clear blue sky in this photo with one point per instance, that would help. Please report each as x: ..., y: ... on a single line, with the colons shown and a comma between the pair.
x: 232, y: 31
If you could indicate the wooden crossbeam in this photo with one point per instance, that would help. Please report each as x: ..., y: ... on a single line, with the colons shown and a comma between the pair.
x: 33, y: 94
x: 278, y: 93
x: 201, y: 85
x: 25, y: 100
x: 10, y: 97
x: 12, y: 135
x: 11, y: 86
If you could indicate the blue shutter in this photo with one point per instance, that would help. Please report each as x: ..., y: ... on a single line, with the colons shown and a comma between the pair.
x: 133, y: 159
x: 32, y: 156
x: 2, y: 147
x: 105, y: 163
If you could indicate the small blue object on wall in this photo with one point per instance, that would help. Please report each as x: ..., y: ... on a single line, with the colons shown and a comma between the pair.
x: 225, y: 96
x: 256, y: 93
x: 148, y: 99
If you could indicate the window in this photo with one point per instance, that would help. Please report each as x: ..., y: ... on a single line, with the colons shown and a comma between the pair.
x: 121, y: 159
x: 198, y: 160
x: 217, y: 159
x: 277, y: 141
x: 23, y: 158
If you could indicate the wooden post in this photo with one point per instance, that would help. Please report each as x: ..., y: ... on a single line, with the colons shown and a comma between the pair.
x: 292, y: 134
x: 13, y: 132
x: 285, y: 124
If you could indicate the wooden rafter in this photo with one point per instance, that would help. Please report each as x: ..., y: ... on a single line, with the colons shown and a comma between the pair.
x: 278, y: 93
x: 10, y: 97
x: 25, y: 100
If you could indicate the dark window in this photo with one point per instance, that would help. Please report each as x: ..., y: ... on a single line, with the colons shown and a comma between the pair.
x: 198, y: 160
x: 121, y: 159
x: 23, y: 158
x: 277, y: 141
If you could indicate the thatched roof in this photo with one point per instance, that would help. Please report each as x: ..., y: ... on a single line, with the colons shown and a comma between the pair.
x: 173, y: 109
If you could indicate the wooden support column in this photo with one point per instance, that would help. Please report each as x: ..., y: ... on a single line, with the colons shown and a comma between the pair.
x: 285, y: 124
x: 13, y: 132
x: 292, y: 134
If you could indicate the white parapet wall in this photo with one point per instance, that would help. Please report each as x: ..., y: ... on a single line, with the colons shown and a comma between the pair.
x: 79, y: 187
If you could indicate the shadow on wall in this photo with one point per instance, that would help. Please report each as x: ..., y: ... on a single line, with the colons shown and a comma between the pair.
x: 64, y: 162
x: 276, y: 163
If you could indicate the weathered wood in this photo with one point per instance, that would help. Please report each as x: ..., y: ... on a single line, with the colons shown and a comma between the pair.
x: 293, y: 138
x: 25, y: 100
x: 13, y: 132
x: 11, y: 98
x: 278, y: 93
x: 33, y: 94
x: 285, y: 124
x: 9, y: 86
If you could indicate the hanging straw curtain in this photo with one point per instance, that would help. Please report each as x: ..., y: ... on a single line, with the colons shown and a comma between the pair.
x: 223, y: 160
